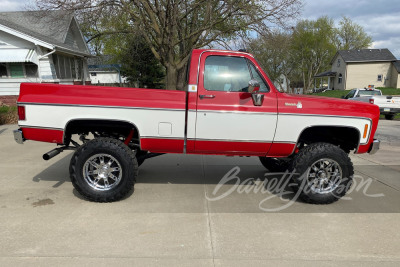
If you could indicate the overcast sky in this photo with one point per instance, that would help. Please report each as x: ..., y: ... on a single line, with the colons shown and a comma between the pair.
x: 380, y: 18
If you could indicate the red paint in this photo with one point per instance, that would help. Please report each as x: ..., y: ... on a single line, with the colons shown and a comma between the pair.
x: 281, y: 150
x: 162, y: 145
x: 231, y: 148
x: 43, y: 135
x: 101, y: 96
x: 129, y: 137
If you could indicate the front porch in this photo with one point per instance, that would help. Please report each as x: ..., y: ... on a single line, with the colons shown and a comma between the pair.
x: 323, y: 81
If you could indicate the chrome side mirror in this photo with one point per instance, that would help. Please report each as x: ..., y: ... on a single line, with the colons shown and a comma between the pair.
x: 254, y: 86
x: 258, y: 99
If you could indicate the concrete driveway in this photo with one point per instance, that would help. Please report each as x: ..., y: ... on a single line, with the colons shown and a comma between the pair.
x: 176, y: 217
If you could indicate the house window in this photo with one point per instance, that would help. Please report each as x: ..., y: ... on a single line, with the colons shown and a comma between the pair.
x: 66, y: 67
x: 16, y: 70
x: 3, y: 70
x: 31, y: 70
x: 380, y: 76
x: 340, y: 78
x: 338, y: 62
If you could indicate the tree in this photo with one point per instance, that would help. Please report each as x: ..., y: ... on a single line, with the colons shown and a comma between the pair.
x: 350, y: 35
x: 273, y: 53
x: 173, y: 28
x: 313, y: 47
x: 139, y: 64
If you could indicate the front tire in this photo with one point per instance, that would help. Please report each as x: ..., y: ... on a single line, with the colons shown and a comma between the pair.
x: 103, y: 170
x: 324, y: 173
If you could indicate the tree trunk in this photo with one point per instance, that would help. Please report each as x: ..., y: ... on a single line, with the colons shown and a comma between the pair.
x: 172, y: 78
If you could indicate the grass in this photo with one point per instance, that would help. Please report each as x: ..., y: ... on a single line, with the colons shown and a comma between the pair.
x: 8, y: 115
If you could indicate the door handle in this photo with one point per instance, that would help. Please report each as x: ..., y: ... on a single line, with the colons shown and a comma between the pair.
x: 206, y: 96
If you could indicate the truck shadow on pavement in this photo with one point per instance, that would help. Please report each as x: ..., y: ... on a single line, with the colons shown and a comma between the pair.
x: 250, y: 185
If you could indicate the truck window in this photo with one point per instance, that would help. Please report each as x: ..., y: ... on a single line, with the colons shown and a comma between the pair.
x: 351, y: 94
x: 258, y: 77
x: 368, y: 93
x: 223, y: 73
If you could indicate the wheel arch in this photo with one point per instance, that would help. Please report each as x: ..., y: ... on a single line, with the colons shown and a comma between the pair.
x: 85, y: 124
x: 346, y: 137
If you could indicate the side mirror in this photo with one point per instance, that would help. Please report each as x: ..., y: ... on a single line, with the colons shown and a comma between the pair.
x: 254, y: 86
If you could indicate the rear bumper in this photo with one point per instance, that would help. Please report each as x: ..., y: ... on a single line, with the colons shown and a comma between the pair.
x: 19, y: 136
x: 374, y: 147
x: 389, y: 110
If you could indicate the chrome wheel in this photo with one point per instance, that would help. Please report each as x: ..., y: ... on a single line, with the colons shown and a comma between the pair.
x: 324, y: 176
x: 102, y: 172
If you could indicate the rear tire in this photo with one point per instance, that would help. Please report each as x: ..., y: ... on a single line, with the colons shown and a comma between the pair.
x: 389, y: 116
x: 324, y: 173
x: 103, y: 170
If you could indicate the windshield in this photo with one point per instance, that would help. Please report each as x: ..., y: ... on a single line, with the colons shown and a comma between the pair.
x: 369, y: 92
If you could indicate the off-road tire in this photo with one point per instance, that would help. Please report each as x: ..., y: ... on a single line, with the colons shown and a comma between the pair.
x: 274, y: 164
x: 312, y: 154
x: 119, y: 151
x: 389, y: 116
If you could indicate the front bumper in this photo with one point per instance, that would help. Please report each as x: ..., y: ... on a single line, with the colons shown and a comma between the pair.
x: 374, y: 147
x: 19, y: 136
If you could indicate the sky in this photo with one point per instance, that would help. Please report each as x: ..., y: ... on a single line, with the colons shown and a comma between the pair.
x: 380, y: 18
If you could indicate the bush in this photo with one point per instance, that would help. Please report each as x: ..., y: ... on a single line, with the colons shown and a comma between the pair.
x: 8, y: 115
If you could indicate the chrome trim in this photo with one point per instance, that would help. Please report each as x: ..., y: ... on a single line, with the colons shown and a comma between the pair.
x: 374, y: 146
x: 236, y: 112
x: 18, y: 136
x: 258, y: 99
x: 40, y: 127
x: 98, y: 106
x: 359, y: 134
x: 232, y: 140
x: 162, y: 137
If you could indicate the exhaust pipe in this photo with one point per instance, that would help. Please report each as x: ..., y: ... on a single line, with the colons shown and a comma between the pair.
x: 53, y: 153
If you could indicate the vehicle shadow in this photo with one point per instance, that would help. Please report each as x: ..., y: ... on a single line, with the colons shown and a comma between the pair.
x: 185, y: 174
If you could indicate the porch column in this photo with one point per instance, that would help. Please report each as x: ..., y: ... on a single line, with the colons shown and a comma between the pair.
x: 329, y: 83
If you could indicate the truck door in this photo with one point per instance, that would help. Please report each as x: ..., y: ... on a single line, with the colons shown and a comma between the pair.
x: 227, y: 121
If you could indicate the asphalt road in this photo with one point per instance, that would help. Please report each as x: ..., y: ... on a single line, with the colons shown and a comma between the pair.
x: 180, y: 216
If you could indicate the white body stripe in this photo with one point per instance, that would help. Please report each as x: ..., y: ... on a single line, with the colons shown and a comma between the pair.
x: 290, y: 127
x: 238, y: 126
x: 147, y: 121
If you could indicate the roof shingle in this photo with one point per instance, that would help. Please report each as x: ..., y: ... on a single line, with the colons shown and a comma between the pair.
x: 362, y: 55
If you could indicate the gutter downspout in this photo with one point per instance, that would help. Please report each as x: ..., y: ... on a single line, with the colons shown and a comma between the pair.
x: 48, y: 54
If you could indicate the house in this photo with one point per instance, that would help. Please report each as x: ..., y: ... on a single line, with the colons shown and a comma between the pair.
x: 103, y: 73
x: 40, y: 47
x: 360, y: 68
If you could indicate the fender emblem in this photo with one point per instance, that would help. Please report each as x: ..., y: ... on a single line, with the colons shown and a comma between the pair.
x: 298, y: 105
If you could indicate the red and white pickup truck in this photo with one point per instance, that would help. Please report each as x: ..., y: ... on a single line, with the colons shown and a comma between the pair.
x: 230, y: 108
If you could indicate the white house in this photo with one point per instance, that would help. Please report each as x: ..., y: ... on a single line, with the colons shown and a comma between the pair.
x: 42, y: 47
x: 104, y: 73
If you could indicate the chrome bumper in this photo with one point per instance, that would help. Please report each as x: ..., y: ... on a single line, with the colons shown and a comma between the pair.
x: 374, y: 147
x: 19, y: 137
